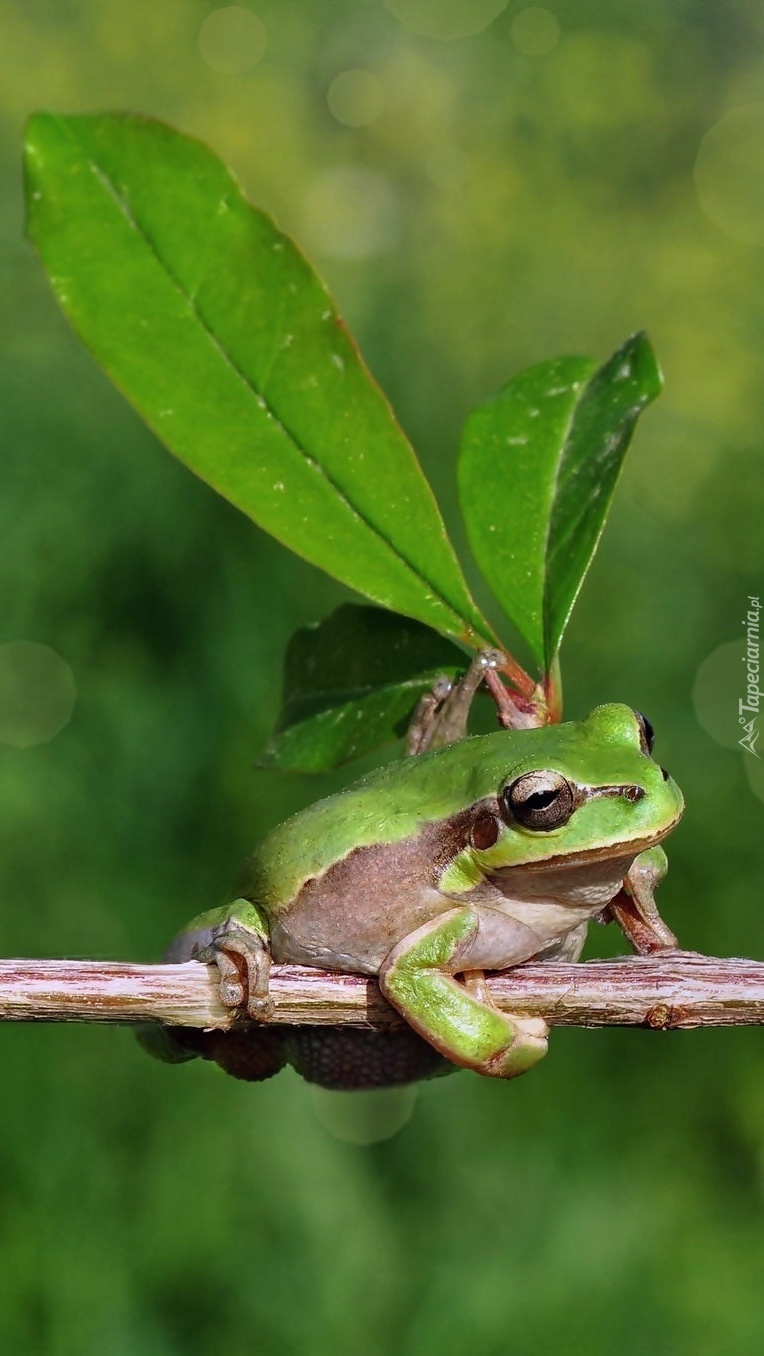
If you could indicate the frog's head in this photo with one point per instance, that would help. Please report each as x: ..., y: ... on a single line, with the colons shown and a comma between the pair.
x: 581, y: 791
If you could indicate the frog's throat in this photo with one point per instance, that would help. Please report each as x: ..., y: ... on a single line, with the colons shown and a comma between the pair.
x: 632, y: 848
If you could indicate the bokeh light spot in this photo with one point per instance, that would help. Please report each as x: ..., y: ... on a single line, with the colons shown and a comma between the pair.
x: 535, y: 31
x: 37, y: 694
x: 232, y: 40
x: 728, y: 177
x: 719, y: 684
x: 350, y: 213
x: 445, y: 19
x: 449, y: 166
x: 356, y: 98
x: 364, y: 1117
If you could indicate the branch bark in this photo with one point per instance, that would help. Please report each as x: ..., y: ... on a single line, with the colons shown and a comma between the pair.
x: 675, y: 989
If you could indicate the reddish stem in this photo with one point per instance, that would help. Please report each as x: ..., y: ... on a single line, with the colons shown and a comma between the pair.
x: 515, y: 711
x: 525, y: 685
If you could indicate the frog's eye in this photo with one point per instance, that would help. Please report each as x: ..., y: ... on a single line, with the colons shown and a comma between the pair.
x: 539, y: 800
x: 646, y: 733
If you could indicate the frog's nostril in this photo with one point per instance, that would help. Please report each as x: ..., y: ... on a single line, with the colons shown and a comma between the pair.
x: 666, y: 777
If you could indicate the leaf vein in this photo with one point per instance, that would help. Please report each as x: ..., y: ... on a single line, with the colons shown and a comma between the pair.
x: 189, y: 299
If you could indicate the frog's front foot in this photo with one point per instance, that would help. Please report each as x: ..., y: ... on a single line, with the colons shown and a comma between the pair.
x: 238, y: 946
x: 418, y: 978
x: 634, y: 907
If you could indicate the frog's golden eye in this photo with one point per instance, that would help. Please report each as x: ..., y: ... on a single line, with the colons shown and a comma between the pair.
x: 539, y: 800
x: 646, y: 733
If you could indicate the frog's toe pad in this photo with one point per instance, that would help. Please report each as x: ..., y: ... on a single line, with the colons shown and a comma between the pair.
x: 233, y: 991
x: 528, y: 1046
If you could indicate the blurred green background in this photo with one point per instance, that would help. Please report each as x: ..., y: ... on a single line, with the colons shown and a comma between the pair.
x: 483, y: 186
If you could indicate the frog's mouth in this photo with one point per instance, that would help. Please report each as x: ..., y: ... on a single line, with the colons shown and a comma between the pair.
x: 603, y: 852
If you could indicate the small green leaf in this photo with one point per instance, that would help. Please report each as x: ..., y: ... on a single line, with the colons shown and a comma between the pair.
x: 217, y: 330
x: 351, y: 684
x: 537, y: 470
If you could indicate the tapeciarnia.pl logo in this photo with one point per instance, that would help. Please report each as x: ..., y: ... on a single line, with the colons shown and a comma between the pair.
x: 749, y: 705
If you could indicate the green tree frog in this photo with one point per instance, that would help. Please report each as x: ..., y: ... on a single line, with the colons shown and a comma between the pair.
x: 426, y: 873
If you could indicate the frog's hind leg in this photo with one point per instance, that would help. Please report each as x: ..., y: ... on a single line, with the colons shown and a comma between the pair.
x: 167, y: 1043
x: 418, y: 979
x: 442, y: 714
x: 235, y: 939
x: 238, y: 946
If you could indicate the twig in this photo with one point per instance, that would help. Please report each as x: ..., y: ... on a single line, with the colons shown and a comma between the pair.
x: 672, y: 990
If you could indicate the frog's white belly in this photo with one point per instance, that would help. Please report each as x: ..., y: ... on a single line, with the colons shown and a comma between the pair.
x: 525, y: 913
x: 551, y: 901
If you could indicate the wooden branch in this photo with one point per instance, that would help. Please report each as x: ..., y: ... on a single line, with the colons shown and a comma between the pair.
x: 675, y: 989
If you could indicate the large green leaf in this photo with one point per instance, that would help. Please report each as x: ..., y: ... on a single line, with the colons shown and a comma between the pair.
x: 537, y: 470
x: 351, y: 684
x: 215, y: 327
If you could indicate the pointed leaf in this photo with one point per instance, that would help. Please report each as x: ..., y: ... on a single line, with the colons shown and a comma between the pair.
x: 351, y: 684
x: 537, y: 470
x: 218, y: 331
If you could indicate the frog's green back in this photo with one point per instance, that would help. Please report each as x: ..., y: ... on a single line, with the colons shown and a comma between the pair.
x: 395, y: 801
x: 390, y: 804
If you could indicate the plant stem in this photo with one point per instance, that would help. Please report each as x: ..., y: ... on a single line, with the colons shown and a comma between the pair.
x: 673, y: 990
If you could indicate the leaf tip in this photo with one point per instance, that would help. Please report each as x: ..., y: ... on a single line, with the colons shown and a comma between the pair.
x: 643, y: 365
x: 37, y: 134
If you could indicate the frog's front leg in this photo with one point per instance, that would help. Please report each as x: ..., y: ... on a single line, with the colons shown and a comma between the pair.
x: 235, y: 939
x: 635, y: 909
x: 418, y: 979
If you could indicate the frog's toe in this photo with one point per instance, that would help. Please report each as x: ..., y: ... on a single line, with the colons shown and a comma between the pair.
x: 529, y: 1045
x: 244, y: 964
x: 232, y: 989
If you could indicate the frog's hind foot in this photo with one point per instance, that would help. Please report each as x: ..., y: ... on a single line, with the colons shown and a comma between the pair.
x: 244, y: 965
x: 442, y: 713
x: 238, y: 946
